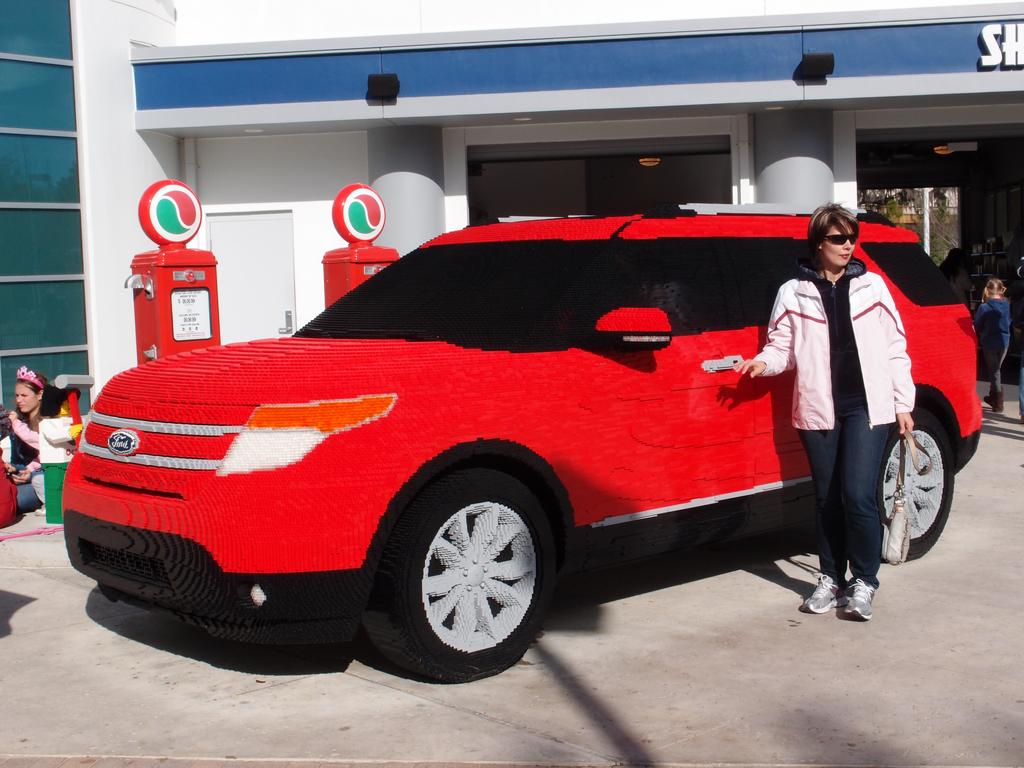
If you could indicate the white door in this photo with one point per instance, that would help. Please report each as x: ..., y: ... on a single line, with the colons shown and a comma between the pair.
x: 255, y: 274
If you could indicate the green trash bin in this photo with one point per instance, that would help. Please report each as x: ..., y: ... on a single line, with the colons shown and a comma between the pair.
x: 53, y: 492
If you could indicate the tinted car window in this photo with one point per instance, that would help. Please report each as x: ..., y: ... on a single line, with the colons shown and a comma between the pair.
x: 703, y: 284
x: 628, y: 275
x: 758, y: 266
x: 913, y: 272
x: 548, y: 295
x: 722, y: 283
x: 521, y: 296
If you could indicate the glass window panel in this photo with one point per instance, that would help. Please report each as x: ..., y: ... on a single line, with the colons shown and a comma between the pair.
x: 43, y: 314
x: 990, y: 215
x: 1013, y: 204
x: 36, y: 96
x: 38, y: 169
x: 1001, y: 215
x: 50, y: 365
x: 36, y: 28
x: 40, y: 242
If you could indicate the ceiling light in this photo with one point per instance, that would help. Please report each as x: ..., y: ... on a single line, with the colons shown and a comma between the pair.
x: 649, y: 162
x: 773, y: 108
x: 942, y: 149
x: 522, y: 119
x: 253, y: 130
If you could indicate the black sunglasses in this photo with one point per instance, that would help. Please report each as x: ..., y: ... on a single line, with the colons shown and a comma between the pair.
x: 841, y: 239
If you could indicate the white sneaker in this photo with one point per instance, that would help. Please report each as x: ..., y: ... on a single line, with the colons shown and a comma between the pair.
x: 825, y: 596
x: 860, y: 597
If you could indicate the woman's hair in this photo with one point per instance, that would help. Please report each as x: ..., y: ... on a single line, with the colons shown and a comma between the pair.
x: 994, y: 287
x: 823, y: 219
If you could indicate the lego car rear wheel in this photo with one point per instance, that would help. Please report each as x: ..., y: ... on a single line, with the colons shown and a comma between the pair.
x: 465, y: 578
x: 929, y: 491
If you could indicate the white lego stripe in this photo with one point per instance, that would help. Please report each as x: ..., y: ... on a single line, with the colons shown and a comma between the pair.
x: 707, y: 500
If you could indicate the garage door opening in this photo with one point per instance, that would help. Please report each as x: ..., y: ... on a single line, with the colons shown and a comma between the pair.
x: 974, y: 183
x: 955, y: 189
x: 597, y: 179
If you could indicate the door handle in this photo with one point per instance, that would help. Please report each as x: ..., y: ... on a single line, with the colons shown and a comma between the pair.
x: 287, y: 322
x: 721, y: 364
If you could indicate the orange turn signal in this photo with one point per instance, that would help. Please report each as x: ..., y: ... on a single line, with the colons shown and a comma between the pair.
x: 329, y: 416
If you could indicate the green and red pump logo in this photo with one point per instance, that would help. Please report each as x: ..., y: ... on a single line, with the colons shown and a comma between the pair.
x: 358, y: 214
x: 170, y: 212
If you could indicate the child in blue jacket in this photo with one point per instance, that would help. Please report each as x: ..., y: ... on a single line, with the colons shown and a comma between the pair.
x: 992, y: 323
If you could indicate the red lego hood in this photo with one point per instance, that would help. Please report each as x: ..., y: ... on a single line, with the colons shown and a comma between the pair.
x: 223, y: 385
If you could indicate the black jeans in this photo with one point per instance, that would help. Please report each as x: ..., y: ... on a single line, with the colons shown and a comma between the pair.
x: 845, y: 462
x: 994, y: 363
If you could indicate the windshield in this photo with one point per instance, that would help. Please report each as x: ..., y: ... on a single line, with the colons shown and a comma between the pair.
x: 545, y: 295
x: 522, y: 296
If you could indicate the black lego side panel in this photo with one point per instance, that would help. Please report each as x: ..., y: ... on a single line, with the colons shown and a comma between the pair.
x: 913, y: 272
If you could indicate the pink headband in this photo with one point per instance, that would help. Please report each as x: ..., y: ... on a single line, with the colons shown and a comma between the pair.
x: 24, y: 374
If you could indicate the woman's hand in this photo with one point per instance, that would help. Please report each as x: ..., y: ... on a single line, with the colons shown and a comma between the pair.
x: 905, y: 422
x: 752, y: 367
x: 20, y: 478
x: 12, y: 416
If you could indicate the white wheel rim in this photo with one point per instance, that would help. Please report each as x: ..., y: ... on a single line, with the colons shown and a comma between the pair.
x: 923, y: 492
x: 478, y: 576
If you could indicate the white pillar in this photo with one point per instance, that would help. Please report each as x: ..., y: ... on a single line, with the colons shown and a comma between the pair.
x: 926, y: 218
x: 456, y: 184
x: 406, y: 167
x: 742, y: 160
x: 793, y: 158
x: 844, y: 158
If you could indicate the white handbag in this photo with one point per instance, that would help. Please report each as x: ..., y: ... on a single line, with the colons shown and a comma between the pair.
x: 896, y: 531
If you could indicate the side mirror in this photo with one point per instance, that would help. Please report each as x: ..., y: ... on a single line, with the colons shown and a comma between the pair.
x: 635, y: 328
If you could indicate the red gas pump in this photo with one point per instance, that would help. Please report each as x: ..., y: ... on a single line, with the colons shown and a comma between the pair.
x: 175, y: 287
x: 359, y: 216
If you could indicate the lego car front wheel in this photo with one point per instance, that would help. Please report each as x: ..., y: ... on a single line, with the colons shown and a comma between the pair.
x: 465, y: 578
x: 928, y: 486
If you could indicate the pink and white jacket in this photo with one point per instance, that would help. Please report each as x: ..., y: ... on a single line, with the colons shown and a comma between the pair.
x: 798, y: 336
x: 30, y: 438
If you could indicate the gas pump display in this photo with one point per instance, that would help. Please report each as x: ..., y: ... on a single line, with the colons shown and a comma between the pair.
x: 359, y: 216
x: 190, y: 314
x: 175, y: 287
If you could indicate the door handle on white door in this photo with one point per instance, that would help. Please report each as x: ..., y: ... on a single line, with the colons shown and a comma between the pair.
x: 287, y: 322
x: 722, y: 364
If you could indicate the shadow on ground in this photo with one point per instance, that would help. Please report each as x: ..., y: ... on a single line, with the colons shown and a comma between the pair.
x: 165, y: 633
x: 577, y: 607
x: 10, y: 604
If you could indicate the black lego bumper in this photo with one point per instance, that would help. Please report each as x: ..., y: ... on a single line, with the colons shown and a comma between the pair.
x: 173, y: 574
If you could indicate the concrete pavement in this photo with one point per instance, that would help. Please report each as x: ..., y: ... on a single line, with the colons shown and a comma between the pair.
x: 692, y: 659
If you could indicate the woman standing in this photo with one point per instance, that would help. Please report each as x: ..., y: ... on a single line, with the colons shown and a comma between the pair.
x: 837, y: 324
x: 992, y: 324
x: 25, y: 469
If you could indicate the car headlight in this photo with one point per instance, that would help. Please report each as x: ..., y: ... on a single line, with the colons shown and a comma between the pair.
x: 279, y: 435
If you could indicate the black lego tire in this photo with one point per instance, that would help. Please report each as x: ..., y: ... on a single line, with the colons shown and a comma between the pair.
x: 934, y: 434
x: 396, y: 619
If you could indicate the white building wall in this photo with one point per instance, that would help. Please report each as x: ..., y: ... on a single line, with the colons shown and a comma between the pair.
x: 203, y: 22
x: 297, y: 174
x: 115, y: 164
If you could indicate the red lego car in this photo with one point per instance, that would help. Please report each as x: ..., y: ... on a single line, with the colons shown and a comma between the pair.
x: 508, y: 402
